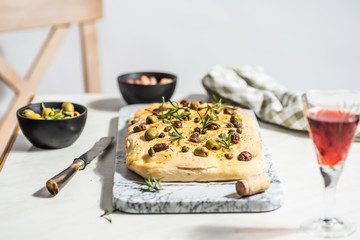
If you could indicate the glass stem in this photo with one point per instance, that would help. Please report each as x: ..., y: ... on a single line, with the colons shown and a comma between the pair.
x: 329, y: 203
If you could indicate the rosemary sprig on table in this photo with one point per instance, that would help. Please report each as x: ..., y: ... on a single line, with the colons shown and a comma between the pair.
x: 107, y: 213
x: 176, y: 135
x: 150, y: 185
x: 225, y: 141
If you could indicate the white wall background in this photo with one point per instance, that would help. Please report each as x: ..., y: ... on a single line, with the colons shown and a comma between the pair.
x: 302, y: 43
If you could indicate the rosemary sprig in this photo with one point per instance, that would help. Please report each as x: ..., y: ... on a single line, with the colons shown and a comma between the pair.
x: 213, y: 112
x: 150, y: 185
x: 225, y: 141
x: 172, y: 112
x: 219, y: 104
x: 181, y: 116
x: 107, y: 213
x: 206, y: 120
x: 176, y: 135
x: 58, y: 113
x: 163, y: 102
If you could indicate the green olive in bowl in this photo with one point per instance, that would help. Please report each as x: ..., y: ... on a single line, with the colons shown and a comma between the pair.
x: 68, y: 107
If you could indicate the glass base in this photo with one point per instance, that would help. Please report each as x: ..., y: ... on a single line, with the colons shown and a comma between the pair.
x: 328, y: 228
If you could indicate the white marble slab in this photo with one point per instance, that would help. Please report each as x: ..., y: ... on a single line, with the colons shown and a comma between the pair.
x: 186, y: 197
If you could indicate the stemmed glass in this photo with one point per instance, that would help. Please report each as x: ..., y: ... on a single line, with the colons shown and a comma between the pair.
x: 333, y: 118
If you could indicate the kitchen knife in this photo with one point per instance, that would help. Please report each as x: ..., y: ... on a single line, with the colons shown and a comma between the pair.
x: 55, y: 184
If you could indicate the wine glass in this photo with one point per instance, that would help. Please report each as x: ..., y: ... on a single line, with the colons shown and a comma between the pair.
x: 333, y: 117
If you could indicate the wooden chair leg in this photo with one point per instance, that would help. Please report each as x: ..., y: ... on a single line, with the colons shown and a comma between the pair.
x: 8, y: 126
x: 8, y: 146
x: 25, y: 89
x: 90, y: 57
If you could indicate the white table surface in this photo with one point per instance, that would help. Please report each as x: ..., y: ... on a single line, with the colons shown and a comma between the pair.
x: 27, y: 211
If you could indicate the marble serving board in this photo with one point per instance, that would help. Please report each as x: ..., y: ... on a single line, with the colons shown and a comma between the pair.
x: 212, y: 197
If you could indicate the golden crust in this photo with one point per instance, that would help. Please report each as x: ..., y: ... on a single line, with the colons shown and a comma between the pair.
x: 173, y: 165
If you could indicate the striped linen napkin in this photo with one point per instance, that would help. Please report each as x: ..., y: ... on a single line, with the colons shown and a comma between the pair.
x: 252, y: 88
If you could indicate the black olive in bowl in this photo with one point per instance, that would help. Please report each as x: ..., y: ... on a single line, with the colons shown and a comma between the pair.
x: 53, y: 133
x: 139, y: 93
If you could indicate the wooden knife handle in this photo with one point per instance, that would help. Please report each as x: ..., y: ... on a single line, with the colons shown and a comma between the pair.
x: 56, y: 183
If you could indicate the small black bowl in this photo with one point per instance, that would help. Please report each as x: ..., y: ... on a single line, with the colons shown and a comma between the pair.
x: 136, y: 93
x: 54, y: 133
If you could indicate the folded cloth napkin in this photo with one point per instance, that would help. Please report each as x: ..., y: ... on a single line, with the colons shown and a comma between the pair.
x: 252, y: 88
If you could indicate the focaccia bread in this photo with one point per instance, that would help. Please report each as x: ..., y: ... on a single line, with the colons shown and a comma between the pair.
x: 202, y: 142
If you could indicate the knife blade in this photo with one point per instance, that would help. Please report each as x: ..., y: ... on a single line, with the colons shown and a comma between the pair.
x: 56, y: 183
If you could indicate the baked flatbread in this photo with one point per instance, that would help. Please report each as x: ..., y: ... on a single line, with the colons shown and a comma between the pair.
x: 174, y: 165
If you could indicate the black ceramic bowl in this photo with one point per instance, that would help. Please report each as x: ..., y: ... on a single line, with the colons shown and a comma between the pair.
x: 55, y: 133
x: 136, y: 93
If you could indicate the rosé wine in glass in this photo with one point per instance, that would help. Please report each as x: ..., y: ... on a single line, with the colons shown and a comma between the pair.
x: 333, y: 117
x: 332, y: 132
